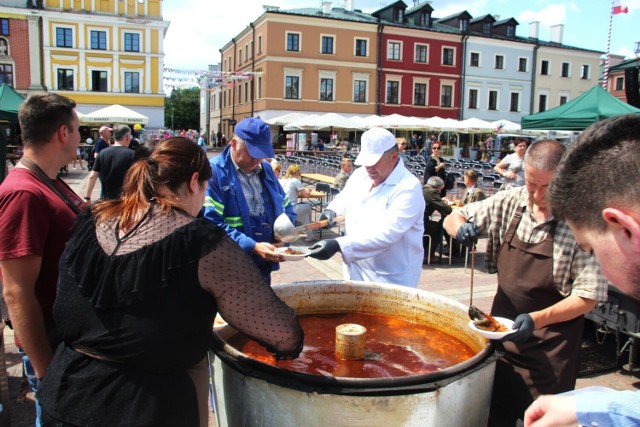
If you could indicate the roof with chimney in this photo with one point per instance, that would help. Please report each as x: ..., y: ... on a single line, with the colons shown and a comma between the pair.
x: 411, y: 19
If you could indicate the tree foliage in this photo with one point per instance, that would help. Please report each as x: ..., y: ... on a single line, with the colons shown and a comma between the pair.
x: 184, y: 105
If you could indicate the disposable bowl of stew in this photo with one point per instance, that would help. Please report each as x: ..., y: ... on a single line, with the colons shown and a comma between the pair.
x: 293, y: 253
x: 494, y: 335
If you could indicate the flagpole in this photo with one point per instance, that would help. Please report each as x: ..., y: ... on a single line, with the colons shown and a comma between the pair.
x: 606, y: 61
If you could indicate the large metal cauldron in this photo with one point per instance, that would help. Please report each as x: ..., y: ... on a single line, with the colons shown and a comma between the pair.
x: 250, y: 393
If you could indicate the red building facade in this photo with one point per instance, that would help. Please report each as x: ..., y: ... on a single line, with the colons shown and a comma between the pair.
x: 419, y: 61
x: 420, y: 73
x: 15, y: 63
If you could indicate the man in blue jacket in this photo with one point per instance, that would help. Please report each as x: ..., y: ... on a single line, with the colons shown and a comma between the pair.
x: 244, y: 196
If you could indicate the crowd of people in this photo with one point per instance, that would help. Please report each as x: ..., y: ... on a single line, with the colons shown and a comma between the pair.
x: 95, y: 291
x: 88, y: 285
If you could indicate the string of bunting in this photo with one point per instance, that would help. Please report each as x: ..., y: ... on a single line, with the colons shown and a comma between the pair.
x: 181, y: 79
x: 207, y: 80
x: 227, y: 78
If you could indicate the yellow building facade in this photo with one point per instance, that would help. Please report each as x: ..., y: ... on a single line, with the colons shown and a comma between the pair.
x: 104, y: 52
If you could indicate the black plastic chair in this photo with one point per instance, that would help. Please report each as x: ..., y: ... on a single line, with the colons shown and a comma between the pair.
x: 319, y: 204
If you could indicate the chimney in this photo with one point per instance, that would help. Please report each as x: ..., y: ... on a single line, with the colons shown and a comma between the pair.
x: 348, y: 5
x: 534, y: 29
x: 326, y: 7
x: 556, y: 33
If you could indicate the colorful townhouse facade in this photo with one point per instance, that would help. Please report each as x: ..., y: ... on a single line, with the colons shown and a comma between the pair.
x: 497, y: 71
x: 98, y: 53
x: 398, y: 59
x: 623, y: 80
x: 561, y: 72
x: 305, y: 60
x: 20, y: 60
x: 420, y: 63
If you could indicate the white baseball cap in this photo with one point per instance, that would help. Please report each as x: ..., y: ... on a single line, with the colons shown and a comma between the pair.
x: 374, y: 143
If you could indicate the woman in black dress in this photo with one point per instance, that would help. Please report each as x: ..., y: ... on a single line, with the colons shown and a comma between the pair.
x: 141, y: 281
x: 435, y: 166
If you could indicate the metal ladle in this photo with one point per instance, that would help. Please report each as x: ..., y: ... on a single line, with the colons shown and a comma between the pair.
x: 284, y: 229
x: 474, y: 312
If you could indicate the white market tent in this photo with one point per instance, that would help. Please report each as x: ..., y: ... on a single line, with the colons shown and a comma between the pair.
x: 114, y: 114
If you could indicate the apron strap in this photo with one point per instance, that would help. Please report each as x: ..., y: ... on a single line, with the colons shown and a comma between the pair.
x: 39, y: 173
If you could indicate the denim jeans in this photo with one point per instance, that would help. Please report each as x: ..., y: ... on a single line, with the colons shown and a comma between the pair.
x: 30, y: 373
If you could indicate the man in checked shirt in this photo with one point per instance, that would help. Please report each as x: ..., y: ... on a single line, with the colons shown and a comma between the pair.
x: 545, y: 282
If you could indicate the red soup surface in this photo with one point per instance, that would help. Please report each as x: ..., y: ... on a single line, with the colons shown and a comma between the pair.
x: 394, y: 348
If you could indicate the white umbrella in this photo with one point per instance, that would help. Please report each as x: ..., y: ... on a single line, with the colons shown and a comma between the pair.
x: 505, y: 126
x: 474, y: 125
x: 285, y: 119
x: 304, y: 123
x: 372, y: 121
x: 440, y: 124
x: 398, y: 121
x: 115, y: 114
x: 337, y: 121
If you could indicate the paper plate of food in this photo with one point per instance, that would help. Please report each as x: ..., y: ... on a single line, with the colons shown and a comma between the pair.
x: 293, y: 253
x: 492, y: 330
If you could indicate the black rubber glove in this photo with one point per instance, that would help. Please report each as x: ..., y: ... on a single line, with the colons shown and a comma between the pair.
x: 290, y: 355
x: 524, y: 327
x: 329, y: 215
x: 324, y: 249
x: 468, y: 234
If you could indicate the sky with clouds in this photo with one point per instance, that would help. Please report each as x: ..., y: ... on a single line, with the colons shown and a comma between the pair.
x: 199, y: 28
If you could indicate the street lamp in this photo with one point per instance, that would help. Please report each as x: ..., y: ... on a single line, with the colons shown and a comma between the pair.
x: 171, y: 117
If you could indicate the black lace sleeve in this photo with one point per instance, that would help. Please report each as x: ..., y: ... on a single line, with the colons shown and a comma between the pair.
x: 246, y: 302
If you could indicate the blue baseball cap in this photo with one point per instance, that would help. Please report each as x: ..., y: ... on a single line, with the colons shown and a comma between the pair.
x: 257, y: 137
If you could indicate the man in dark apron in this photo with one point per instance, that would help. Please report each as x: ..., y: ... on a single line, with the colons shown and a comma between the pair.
x: 545, y: 282
x: 611, y: 229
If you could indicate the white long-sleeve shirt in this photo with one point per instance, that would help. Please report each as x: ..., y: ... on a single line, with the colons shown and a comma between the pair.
x: 384, y: 227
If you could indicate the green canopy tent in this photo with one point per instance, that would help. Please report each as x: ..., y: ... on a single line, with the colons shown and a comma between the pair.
x: 576, y: 115
x: 10, y: 101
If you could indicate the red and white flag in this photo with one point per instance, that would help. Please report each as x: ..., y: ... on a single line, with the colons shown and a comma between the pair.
x: 618, y: 8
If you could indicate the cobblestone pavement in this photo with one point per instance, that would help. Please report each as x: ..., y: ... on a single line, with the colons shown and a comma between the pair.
x: 449, y: 280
